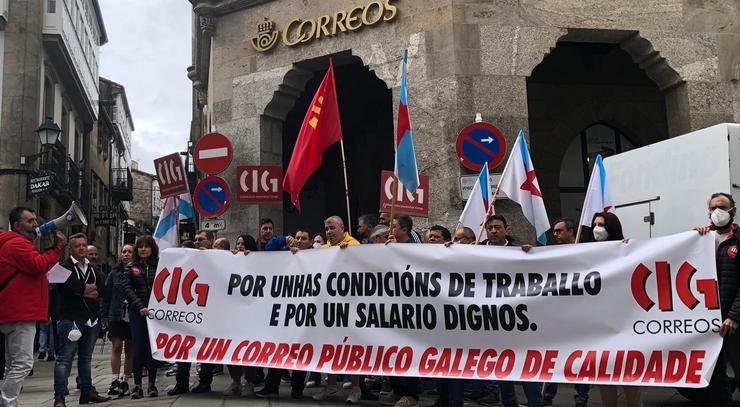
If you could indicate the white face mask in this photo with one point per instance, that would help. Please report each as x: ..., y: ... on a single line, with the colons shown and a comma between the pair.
x: 74, y: 334
x: 600, y: 233
x: 316, y: 245
x: 720, y: 217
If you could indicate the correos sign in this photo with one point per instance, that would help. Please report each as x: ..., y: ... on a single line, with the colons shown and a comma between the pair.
x: 298, y: 31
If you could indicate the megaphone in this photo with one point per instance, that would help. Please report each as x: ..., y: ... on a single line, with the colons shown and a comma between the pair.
x: 73, y: 216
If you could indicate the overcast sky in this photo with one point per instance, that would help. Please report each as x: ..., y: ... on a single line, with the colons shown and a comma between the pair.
x: 148, y: 52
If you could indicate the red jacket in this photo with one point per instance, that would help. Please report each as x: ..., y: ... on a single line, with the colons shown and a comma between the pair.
x: 26, y: 296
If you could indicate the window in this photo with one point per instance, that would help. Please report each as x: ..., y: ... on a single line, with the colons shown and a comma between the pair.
x: 578, y: 161
x: 64, y: 137
x: 51, y: 6
x: 48, y: 98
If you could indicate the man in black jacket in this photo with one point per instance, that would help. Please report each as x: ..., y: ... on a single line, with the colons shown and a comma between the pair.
x: 722, y: 213
x: 78, y: 324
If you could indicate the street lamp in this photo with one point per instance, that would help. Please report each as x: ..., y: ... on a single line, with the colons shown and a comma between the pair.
x: 48, y: 132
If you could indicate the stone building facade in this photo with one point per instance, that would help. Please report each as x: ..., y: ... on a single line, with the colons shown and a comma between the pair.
x: 48, y: 69
x: 579, y: 78
x: 144, y: 210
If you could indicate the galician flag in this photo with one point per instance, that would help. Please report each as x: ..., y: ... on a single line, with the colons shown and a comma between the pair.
x: 519, y: 182
x: 476, y: 209
x: 166, y: 232
x: 405, y: 170
x: 598, y: 198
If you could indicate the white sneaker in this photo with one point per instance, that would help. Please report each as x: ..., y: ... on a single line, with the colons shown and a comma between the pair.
x: 247, y: 390
x: 326, y: 392
x: 354, y: 396
x: 234, y: 389
x: 310, y: 383
x: 347, y: 385
x: 388, y: 399
x: 407, y: 401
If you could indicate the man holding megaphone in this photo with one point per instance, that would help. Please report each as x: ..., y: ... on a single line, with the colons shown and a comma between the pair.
x: 24, y: 295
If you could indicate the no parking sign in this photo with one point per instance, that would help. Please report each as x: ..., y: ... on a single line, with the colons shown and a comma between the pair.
x: 212, y: 196
x: 480, y: 143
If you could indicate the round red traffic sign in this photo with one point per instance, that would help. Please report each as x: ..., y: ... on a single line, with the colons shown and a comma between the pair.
x: 480, y: 143
x: 213, y: 153
x: 212, y: 196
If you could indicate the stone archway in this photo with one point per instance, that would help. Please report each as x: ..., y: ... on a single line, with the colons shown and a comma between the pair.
x: 599, y: 76
x: 367, y: 125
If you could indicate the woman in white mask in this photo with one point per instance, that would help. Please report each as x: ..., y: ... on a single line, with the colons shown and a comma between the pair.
x: 606, y: 226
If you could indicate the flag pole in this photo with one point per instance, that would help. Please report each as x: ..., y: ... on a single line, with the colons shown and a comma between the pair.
x: 495, y: 194
x: 580, y: 226
x: 346, y: 187
x: 585, y: 201
x: 177, y: 222
x: 394, y: 192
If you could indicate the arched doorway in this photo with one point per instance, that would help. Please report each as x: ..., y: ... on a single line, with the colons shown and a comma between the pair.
x: 578, y: 162
x: 587, y: 97
x: 366, y: 114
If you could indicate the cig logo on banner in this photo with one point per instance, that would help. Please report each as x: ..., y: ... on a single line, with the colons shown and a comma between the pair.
x: 685, y: 287
x: 187, y: 288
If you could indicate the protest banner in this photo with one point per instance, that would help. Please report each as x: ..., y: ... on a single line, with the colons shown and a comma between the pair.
x: 641, y: 313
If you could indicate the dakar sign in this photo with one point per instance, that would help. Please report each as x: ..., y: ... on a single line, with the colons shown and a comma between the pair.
x: 298, y: 31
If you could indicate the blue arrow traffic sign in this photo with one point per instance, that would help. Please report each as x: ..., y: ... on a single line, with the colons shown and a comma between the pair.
x: 212, y: 196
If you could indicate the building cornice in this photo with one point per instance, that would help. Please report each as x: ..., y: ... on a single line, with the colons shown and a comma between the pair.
x: 221, y: 7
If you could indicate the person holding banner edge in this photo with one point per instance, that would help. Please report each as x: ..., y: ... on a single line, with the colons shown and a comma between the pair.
x: 564, y: 231
x: 337, y: 236
x: 721, y: 207
x: 605, y: 226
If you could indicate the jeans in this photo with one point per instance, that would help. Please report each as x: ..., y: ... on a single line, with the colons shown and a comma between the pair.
x: 19, y: 338
x: 84, y: 348
x: 142, y: 351
x: 205, y: 376
x: 532, y: 390
x: 582, y: 390
x: 46, y: 339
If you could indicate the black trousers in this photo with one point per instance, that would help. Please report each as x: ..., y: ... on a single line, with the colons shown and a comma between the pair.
x: 272, y: 381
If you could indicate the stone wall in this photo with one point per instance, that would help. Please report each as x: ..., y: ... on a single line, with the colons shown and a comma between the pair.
x: 141, y: 206
x: 20, y: 97
x: 469, y: 57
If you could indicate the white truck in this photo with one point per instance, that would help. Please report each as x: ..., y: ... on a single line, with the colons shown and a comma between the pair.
x: 663, y: 188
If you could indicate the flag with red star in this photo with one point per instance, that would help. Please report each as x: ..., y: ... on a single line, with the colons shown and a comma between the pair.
x: 519, y: 182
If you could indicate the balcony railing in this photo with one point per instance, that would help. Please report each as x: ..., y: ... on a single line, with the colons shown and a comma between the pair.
x: 122, y: 187
x: 65, y: 172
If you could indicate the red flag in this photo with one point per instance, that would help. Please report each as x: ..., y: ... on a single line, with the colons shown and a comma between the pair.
x: 320, y: 129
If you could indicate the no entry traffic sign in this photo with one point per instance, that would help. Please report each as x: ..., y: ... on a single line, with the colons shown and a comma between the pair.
x: 213, y: 153
x: 480, y: 143
x: 211, y: 197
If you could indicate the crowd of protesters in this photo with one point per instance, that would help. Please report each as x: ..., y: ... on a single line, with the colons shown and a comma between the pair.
x: 71, y: 315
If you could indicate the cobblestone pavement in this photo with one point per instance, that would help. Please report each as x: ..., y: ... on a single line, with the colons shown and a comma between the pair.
x: 38, y: 391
